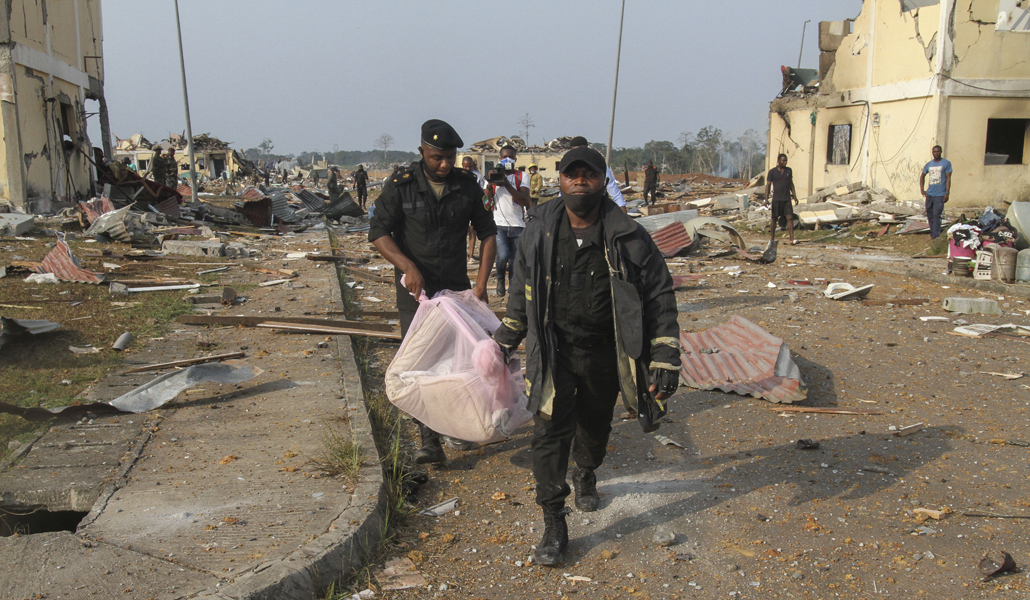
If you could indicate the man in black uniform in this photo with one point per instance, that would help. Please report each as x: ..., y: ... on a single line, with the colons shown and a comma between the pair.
x: 332, y: 185
x: 781, y: 179
x: 593, y: 299
x: 650, y: 183
x: 420, y: 222
x: 361, y: 185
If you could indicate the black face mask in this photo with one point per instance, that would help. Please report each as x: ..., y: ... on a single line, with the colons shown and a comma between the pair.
x: 582, y: 205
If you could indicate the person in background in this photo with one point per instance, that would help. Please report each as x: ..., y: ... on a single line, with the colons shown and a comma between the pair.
x: 536, y: 184
x: 361, y: 185
x: 419, y: 223
x: 332, y: 184
x: 781, y: 179
x: 650, y: 183
x: 936, y: 189
x: 469, y: 165
x: 171, y: 169
x: 509, y: 190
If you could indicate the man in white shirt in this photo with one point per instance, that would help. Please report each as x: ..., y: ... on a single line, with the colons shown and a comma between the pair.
x: 612, y: 184
x: 510, y: 195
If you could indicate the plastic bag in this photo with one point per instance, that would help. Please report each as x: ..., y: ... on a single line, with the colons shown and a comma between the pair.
x: 450, y: 374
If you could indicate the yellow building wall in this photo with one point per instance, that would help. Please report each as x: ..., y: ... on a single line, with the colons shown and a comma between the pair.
x: 63, y: 34
x: 27, y: 24
x: 901, y: 145
x: 91, y: 34
x: 984, y: 53
x: 973, y: 183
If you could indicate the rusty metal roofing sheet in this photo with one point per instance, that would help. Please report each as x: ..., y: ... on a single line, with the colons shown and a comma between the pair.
x: 184, y: 190
x: 743, y: 358
x: 258, y: 212
x: 61, y: 263
x: 96, y: 207
x: 169, y: 206
x: 252, y: 193
x: 672, y: 238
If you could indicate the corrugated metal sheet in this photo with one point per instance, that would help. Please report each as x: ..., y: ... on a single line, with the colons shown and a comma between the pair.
x: 343, y: 207
x: 281, y: 208
x: 308, y: 199
x: 656, y: 222
x: 184, y: 190
x: 112, y: 225
x: 915, y: 226
x: 61, y: 263
x: 258, y: 212
x: 96, y: 207
x: 743, y: 358
x: 169, y: 207
x: 672, y: 238
x: 12, y: 328
x: 251, y: 193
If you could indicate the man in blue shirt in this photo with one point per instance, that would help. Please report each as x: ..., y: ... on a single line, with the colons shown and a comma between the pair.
x: 938, y: 190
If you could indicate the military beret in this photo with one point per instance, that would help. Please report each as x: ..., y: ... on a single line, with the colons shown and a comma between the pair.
x: 440, y: 135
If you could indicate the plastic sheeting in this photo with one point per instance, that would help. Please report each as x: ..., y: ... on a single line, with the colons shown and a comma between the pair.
x: 450, y: 374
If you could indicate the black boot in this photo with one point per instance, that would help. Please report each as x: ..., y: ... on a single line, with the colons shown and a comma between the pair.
x: 431, y: 450
x: 500, y: 284
x: 585, y: 483
x: 556, y: 538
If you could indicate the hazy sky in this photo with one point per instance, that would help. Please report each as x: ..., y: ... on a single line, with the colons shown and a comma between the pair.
x: 313, y: 74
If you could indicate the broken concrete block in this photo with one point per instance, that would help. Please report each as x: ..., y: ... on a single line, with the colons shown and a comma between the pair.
x: 971, y: 306
x: 236, y: 250
x: 185, y: 248
x: 12, y: 224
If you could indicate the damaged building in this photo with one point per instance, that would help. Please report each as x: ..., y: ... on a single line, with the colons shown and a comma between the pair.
x: 906, y: 75
x: 51, y: 62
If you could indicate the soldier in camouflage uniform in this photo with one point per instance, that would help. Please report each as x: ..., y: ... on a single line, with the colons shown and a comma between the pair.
x: 172, y: 172
x: 158, y: 167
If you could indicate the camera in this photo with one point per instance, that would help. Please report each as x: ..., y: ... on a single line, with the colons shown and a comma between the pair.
x: 501, y: 171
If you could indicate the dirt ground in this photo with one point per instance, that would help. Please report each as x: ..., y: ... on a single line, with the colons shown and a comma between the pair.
x: 753, y: 516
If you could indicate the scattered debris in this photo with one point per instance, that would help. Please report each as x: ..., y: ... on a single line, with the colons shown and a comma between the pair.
x: 308, y: 328
x: 994, y: 565
x: 441, y: 509
x: 1009, y: 376
x: 663, y: 536
x: 64, y: 266
x: 969, y: 306
x: 931, y: 513
x: 827, y: 411
x: 749, y: 361
x: 14, y: 328
x: 807, y: 444
x: 122, y: 342
x: 846, y: 291
x: 906, y: 430
x: 187, y: 362
x: 400, y: 574
x: 667, y: 441
x: 42, y: 278
x: 927, y: 319
x: 86, y: 350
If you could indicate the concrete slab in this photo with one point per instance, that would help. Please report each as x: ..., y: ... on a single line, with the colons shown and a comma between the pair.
x: 12, y: 224
x: 51, y: 565
x: 188, y: 248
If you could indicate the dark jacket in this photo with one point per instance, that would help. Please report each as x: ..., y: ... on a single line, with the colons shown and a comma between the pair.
x: 432, y: 232
x: 646, y: 330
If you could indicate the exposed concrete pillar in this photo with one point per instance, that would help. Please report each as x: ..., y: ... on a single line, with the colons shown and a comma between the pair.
x: 105, y: 127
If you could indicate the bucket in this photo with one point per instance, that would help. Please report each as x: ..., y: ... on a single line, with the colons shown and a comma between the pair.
x: 1023, y: 266
x: 1004, y: 266
x: 960, y: 267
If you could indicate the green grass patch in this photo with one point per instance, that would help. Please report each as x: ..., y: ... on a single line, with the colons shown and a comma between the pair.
x: 340, y: 456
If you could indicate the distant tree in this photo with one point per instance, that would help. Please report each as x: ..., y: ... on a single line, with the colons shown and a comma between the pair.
x: 750, y: 154
x: 383, y: 143
x: 266, y: 146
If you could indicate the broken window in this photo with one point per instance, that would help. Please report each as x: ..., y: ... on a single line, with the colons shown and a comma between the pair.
x: 67, y: 118
x: 838, y: 150
x: 1006, y: 139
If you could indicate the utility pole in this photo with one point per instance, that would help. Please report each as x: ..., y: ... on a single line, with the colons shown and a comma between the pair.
x: 186, y: 101
x: 615, y: 92
x: 803, y: 27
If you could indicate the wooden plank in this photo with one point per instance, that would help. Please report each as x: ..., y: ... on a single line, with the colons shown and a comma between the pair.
x: 828, y: 411
x: 210, y: 299
x: 244, y: 233
x: 189, y: 361
x: 363, y: 274
x: 276, y: 272
x: 390, y: 335
x: 897, y: 302
x: 253, y: 321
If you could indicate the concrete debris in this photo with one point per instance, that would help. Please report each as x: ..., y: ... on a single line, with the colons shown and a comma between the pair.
x: 190, y: 248
x: 42, y: 278
x: 441, y: 509
x: 969, y: 306
x: 12, y: 224
x: 14, y: 328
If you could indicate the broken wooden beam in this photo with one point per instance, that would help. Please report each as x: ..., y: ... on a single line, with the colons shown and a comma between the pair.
x: 276, y: 272
x: 897, y: 302
x: 187, y: 362
x: 829, y: 411
x: 302, y: 328
x: 228, y: 296
x: 361, y: 273
x: 253, y: 321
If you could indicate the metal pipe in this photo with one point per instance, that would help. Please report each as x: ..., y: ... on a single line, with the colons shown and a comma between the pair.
x: 186, y: 101
x: 802, y: 50
x: 615, y: 92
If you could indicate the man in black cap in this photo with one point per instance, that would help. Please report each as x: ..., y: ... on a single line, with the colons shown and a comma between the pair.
x: 611, y: 184
x: 420, y: 222
x: 593, y: 299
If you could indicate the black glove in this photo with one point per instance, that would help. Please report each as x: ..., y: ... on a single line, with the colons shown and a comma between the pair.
x: 507, y: 352
x: 667, y: 381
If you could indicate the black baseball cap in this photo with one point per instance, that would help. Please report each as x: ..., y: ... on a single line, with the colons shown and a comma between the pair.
x: 583, y: 154
x: 440, y: 135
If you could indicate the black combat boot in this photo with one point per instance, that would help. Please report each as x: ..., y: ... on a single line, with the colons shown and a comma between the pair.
x: 500, y: 284
x: 556, y: 538
x: 585, y: 483
x: 431, y: 450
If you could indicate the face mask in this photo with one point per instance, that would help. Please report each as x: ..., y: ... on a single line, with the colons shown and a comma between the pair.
x: 582, y: 205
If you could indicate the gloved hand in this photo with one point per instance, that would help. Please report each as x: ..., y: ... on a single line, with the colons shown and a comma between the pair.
x: 507, y: 352
x: 664, y: 383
